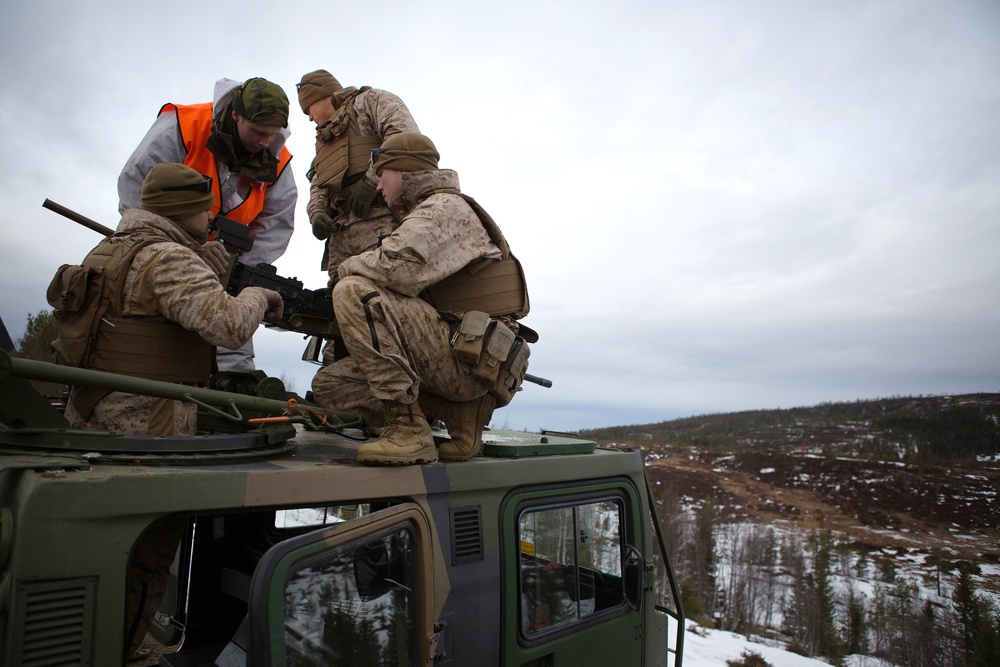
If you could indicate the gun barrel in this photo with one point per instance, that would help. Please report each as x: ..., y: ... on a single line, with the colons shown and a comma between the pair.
x: 528, y: 377
x: 29, y: 369
x: 77, y: 218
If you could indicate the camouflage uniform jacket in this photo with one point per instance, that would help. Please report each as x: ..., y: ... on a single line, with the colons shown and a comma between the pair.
x: 380, y: 114
x: 169, y: 280
x: 440, y: 234
x: 375, y: 113
x: 398, y: 342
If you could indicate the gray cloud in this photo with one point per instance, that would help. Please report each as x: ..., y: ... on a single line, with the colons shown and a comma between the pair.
x: 719, y: 205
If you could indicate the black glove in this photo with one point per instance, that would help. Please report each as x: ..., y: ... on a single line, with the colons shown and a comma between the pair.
x: 361, y: 198
x: 322, y: 225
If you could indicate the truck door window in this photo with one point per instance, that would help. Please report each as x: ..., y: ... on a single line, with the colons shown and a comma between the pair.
x: 355, y: 606
x: 570, y: 563
x: 319, y: 516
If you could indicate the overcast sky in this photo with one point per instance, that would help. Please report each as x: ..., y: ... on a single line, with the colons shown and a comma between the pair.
x: 719, y: 206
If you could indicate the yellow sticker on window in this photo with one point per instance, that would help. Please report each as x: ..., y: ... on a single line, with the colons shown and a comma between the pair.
x: 527, y: 548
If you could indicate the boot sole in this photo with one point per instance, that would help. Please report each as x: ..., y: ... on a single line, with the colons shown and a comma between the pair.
x: 386, y: 460
x: 459, y: 456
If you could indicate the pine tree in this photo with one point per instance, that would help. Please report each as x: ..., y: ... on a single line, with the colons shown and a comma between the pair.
x: 703, y: 572
x: 36, y: 344
x: 978, y: 623
x: 828, y: 640
x: 855, y: 630
x: 38, y: 336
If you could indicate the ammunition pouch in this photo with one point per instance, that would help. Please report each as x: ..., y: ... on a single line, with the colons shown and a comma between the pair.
x: 511, y: 373
x: 82, y: 295
x: 497, y: 357
x: 467, y: 342
x: 91, y: 333
x: 75, y: 303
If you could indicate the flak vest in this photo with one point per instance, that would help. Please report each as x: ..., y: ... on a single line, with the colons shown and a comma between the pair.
x: 342, y: 152
x: 92, y: 332
x: 195, y: 124
x: 484, y: 300
x: 496, y: 287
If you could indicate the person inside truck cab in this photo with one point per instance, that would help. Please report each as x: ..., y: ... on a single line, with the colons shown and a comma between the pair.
x: 396, y: 308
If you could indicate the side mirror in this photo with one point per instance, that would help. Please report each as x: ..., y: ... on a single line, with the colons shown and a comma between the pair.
x: 632, y: 576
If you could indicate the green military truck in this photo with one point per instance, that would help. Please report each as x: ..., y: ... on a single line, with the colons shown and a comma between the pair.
x: 543, y: 551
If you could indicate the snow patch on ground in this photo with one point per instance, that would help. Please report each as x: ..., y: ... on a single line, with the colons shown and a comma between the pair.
x: 712, y: 648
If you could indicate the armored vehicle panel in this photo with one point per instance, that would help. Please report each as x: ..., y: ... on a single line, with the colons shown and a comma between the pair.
x: 541, y: 551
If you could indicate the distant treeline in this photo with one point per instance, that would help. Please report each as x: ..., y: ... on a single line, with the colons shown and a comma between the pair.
x: 936, y: 427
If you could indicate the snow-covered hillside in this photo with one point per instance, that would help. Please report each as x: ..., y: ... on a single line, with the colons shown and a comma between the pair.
x: 712, y: 648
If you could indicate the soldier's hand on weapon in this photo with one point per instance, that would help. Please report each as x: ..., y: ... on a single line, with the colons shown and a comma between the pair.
x: 275, y: 304
x: 214, y: 254
x: 362, y: 197
x: 322, y: 225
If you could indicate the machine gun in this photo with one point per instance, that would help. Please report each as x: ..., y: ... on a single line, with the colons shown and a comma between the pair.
x: 305, y: 311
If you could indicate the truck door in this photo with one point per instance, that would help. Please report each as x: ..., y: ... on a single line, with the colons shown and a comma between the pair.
x: 354, y: 593
x: 573, y: 576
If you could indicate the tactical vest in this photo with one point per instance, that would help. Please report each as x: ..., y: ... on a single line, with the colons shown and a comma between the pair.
x: 92, y: 332
x: 342, y: 152
x: 195, y: 124
x: 495, y: 287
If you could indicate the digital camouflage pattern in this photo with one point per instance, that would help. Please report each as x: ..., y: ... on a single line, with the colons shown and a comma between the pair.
x: 169, y: 280
x: 440, y: 234
x: 380, y: 114
x: 390, y: 361
x: 377, y: 294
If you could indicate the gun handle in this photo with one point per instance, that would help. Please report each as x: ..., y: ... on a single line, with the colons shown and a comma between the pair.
x: 314, y: 348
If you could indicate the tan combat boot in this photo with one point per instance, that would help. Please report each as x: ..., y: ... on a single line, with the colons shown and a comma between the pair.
x: 405, y: 439
x: 465, y: 421
x: 374, y: 419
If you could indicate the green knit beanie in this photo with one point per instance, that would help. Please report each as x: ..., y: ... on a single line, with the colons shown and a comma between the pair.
x: 406, y: 151
x: 315, y: 86
x: 176, y: 191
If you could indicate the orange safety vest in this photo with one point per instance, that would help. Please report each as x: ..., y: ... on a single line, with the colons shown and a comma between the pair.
x: 195, y: 124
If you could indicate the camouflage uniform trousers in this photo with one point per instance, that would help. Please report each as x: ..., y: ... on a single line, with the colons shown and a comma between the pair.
x: 356, y: 235
x: 138, y: 415
x: 148, y: 577
x: 397, y: 345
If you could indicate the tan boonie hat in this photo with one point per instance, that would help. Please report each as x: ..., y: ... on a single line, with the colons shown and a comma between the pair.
x: 260, y: 101
x: 406, y: 151
x: 315, y: 86
x: 176, y: 191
